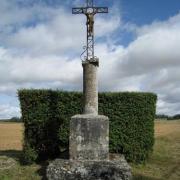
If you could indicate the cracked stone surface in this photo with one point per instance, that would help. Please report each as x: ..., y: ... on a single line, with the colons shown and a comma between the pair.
x: 89, y: 170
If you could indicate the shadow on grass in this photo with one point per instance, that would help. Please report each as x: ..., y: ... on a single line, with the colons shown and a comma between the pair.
x: 141, y: 177
x: 15, y: 154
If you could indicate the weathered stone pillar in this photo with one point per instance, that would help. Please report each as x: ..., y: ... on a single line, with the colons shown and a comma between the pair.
x: 89, y: 137
x: 90, y: 87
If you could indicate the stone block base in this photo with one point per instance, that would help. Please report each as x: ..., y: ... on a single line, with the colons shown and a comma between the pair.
x: 89, y: 137
x: 89, y: 170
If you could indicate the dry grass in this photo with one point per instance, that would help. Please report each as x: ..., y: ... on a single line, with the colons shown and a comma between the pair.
x: 166, y: 128
x: 11, y: 136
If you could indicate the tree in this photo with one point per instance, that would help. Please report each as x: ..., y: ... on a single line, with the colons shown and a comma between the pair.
x: 15, y: 119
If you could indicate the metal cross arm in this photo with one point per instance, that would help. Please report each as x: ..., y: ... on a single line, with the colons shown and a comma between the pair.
x: 101, y: 9
x: 80, y: 10
x: 84, y: 10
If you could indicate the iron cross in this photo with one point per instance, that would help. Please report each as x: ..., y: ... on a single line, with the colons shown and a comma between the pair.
x: 90, y: 12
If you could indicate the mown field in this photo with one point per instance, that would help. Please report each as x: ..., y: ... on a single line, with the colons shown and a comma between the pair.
x: 163, y: 164
x: 11, y: 135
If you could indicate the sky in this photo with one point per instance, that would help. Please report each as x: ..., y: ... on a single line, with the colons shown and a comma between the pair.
x: 137, y: 43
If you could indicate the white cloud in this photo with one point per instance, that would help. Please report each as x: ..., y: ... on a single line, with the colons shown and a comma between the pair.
x: 8, y: 111
x: 14, y: 16
x: 104, y: 25
x: 58, y: 36
x: 22, y: 69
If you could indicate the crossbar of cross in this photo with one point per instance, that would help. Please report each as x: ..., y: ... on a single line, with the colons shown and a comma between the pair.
x: 84, y: 10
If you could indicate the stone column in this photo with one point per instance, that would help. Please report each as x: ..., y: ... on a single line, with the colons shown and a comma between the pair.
x: 90, y: 87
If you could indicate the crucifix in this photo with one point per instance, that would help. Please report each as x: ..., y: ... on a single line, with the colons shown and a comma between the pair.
x: 90, y: 11
x: 90, y: 62
x: 89, y: 131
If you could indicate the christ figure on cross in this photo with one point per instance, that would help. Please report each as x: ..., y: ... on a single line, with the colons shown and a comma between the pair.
x: 90, y: 22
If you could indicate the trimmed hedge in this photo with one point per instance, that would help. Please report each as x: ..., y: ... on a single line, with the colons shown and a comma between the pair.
x: 46, y: 115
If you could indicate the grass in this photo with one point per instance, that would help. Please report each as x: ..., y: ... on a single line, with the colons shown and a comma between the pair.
x: 163, y: 164
x: 19, y: 172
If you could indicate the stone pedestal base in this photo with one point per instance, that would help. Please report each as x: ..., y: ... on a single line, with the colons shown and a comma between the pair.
x: 89, y: 137
x: 89, y: 170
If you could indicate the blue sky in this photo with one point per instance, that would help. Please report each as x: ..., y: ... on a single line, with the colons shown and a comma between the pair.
x: 143, y: 12
x: 137, y: 43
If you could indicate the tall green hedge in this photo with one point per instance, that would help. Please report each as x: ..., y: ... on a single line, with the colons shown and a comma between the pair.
x: 46, y: 115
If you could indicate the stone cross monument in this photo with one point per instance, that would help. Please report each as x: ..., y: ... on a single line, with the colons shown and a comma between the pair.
x: 89, y: 132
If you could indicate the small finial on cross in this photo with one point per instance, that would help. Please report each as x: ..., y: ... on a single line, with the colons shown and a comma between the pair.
x: 90, y: 3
